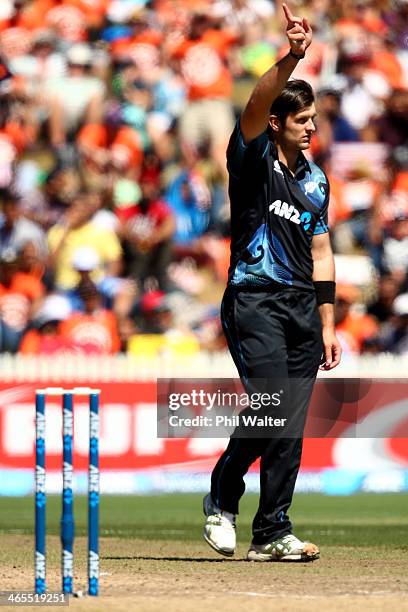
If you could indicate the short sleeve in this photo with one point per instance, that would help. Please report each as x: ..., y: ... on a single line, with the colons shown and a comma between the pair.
x: 110, y: 248
x: 322, y: 225
x: 242, y: 157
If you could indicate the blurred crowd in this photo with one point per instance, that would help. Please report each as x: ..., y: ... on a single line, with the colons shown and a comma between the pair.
x: 114, y: 121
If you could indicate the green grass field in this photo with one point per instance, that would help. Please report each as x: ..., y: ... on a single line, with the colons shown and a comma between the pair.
x: 153, y: 555
x: 358, y: 520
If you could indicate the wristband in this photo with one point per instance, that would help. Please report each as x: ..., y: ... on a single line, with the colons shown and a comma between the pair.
x: 325, y: 292
x: 297, y: 57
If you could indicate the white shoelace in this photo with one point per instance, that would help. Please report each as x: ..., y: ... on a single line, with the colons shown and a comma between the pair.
x: 223, y: 518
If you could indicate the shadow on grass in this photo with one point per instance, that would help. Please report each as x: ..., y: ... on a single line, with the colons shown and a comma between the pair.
x: 186, y: 559
x: 199, y: 560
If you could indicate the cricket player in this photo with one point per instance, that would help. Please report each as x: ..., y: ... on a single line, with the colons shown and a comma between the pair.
x: 277, y: 311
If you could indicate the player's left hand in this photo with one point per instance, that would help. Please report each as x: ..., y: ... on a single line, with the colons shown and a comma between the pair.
x: 332, y: 350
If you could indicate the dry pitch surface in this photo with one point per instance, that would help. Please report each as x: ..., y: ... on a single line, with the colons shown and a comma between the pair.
x: 176, y: 572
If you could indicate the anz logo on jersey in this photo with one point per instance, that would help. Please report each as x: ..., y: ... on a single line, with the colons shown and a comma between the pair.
x: 291, y: 213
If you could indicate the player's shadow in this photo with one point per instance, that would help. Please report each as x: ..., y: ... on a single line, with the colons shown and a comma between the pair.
x: 186, y: 559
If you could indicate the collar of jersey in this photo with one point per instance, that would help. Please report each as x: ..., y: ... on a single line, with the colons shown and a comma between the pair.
x: 301, y: 162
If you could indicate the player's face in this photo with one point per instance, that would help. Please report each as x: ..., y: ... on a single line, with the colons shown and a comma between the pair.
x: 299, y: 128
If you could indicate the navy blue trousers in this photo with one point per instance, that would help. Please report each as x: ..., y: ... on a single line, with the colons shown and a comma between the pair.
x: 273, y: 335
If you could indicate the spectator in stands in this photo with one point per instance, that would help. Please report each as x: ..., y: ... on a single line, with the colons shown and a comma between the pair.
x: 203, y: 62
x: 74, y: 98
x: 372, y: 346
x: 390, y: 206
x: 95, y: 329
x: 358, y: 194
x: 20, y: 297
x: 19, y: 127
x: 168, y: 103
x: 45, y: 338
x: 189, y: 198
x: 79, y: 245
x: 365, y: 89
x: 76, y: 230
x: 31, y: 260
x: 209, y: 332
x: 158, y: 332
x: 332, y: 120
x: 352, y: 328
x: 15, y: 229
x: 68, y: 19
x: 155, y: 311
x: 147, y: 233
x: 43, y: 62
x: 150, y: 106
x: 256, y: 54
x: 116, y: 293
x: 355, y: 19
x: 385, y: 59
x: 392, y: 126
x: 395, y: 332
x: 111, y: 146
x: 85, y: 261
x: 339, y: 209
x: 140, y: 41
x: 135, y: 108
x: 28, y: 185
x: 396, y: 249
x: 382, y: 307
x: 62, y: 184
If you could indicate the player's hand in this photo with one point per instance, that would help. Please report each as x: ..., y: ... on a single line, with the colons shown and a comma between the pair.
x: 298, y: 31
x: 332, y: 350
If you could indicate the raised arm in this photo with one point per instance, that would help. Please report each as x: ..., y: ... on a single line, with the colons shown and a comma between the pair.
x: 255, y: 116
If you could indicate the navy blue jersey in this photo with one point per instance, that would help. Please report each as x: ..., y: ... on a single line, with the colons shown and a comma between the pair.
x: 274, y: 215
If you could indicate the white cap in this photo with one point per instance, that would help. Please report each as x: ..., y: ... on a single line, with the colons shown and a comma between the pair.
x: 85, y: 259
x: 54, y: 308
x: 80, y: 54
x: 400, y: 305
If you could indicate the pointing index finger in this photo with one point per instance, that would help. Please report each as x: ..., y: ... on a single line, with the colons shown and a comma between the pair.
x: 287, y: 12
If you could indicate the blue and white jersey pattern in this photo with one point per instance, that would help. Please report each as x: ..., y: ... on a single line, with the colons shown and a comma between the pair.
x: 274, y: 214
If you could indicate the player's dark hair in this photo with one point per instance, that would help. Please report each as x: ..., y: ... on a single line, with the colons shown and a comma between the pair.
x: 296, y: 96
